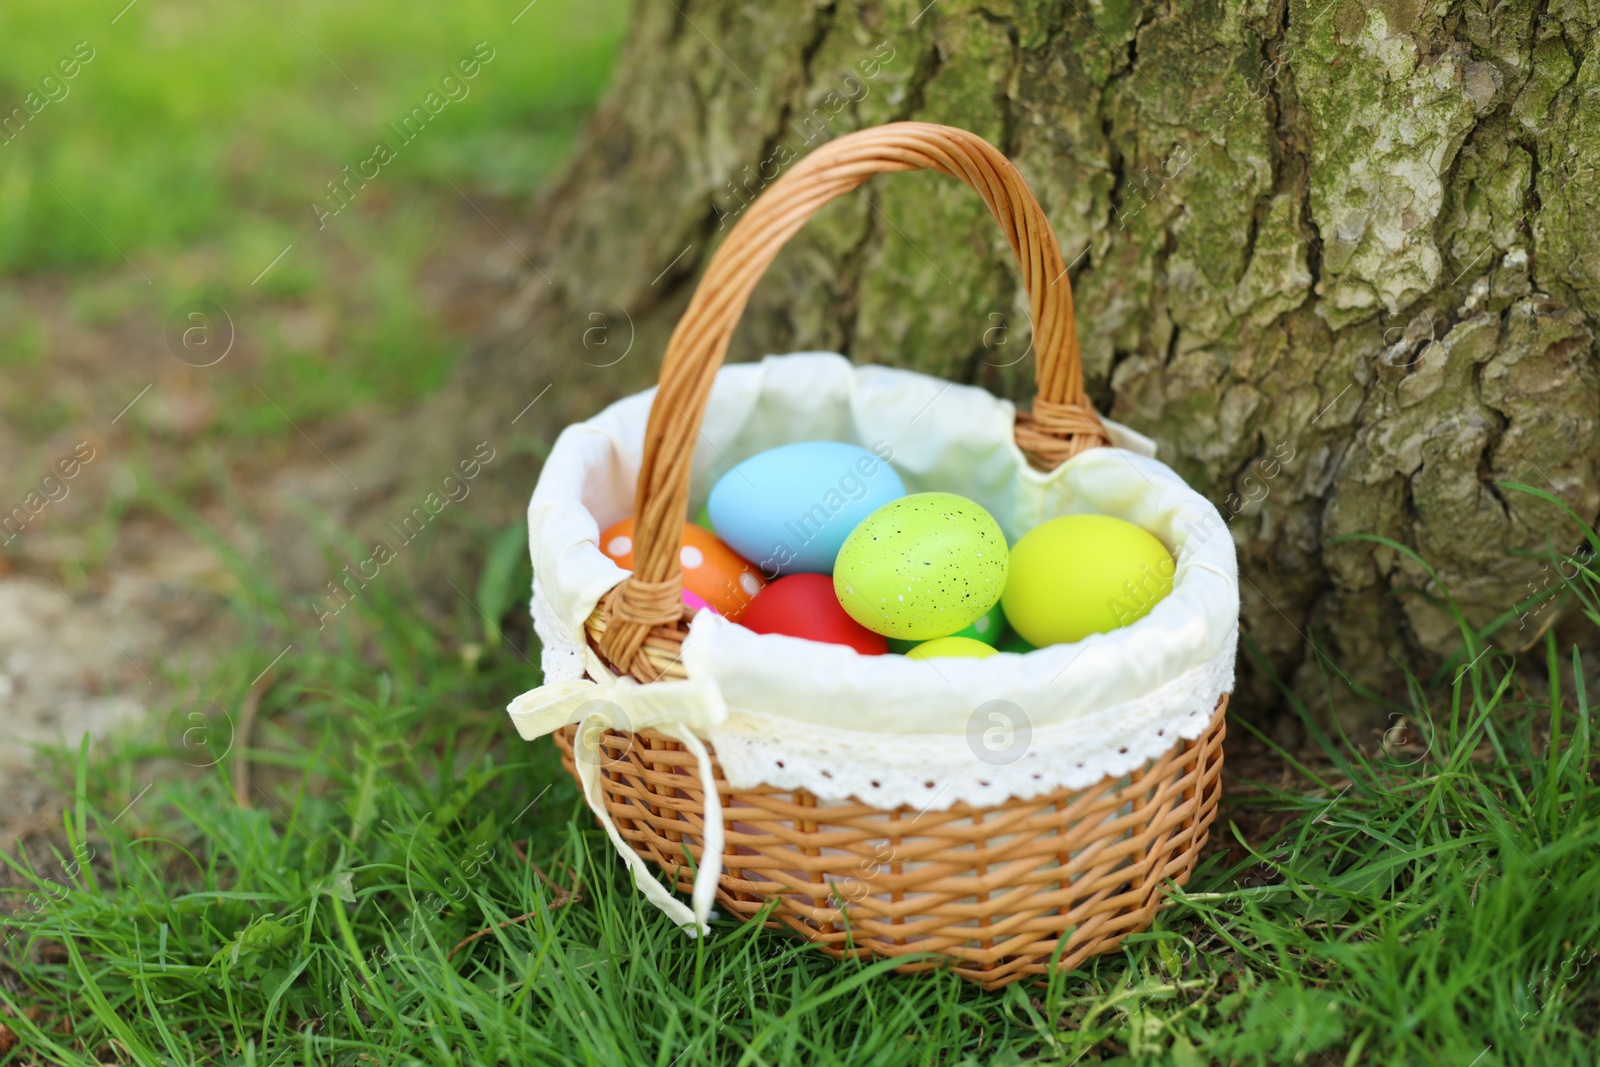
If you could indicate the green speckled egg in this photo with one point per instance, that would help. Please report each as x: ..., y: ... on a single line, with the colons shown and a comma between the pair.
x: 921, y: 567
x: 986, y: 628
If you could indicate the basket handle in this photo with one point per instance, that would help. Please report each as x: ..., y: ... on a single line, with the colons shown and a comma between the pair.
x: 1062, y: 423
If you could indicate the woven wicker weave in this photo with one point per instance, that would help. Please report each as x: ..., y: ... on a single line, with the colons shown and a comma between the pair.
x: 991, y: 892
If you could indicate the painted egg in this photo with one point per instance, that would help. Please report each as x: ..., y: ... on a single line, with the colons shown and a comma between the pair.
x: 696, y: 602
x: 791, y: 507
x: 803, y: 605
x: 962, y: 647
x: 986, y: 629
x: 712, y: 571
x: 921, y: 567
x: 1083, y: 574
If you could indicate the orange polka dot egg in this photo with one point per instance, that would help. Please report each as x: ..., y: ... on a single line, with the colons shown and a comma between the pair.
x: 713, y: 574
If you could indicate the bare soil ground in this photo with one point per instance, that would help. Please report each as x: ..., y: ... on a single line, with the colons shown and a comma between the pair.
x: 109, y: 609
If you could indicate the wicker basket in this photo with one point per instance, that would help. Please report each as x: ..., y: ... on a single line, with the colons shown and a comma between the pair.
x: 992, y: 892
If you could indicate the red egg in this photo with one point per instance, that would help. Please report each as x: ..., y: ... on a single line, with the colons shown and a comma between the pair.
x: 722, y: 579
x: 804, y: 605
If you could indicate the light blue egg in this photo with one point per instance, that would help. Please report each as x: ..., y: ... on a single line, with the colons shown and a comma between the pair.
x: 788, y: 509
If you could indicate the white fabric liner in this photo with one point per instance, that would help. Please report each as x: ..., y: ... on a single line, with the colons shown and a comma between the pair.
x: 801, y: 714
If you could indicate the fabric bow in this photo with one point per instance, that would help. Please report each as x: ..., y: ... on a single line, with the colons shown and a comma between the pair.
x: 680, y: 709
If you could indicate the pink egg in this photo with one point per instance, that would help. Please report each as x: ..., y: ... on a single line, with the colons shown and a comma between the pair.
x: 694, y: 601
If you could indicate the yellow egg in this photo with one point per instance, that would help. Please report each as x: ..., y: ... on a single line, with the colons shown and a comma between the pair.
x: 965, y: 647
x: 1083, y: 574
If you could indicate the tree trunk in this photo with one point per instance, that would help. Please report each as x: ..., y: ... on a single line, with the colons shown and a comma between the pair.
x: 1339, y: 260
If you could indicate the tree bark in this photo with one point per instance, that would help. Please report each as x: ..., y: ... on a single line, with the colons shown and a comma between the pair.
x: 1339, y: 260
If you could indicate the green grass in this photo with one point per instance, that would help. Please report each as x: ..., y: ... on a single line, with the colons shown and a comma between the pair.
x: 187, y: 153
x: 1438, y: 903
x: 197, y: 118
